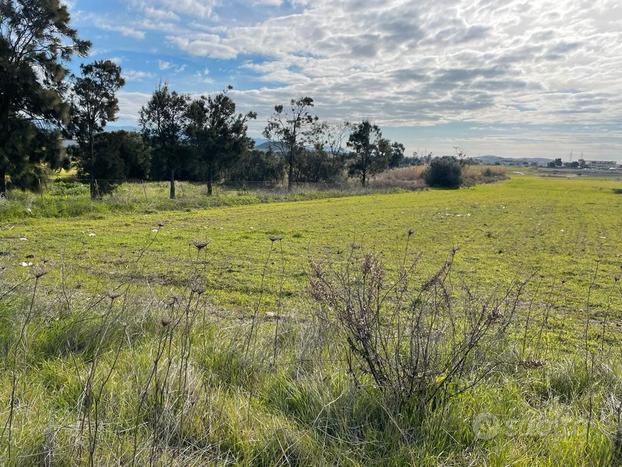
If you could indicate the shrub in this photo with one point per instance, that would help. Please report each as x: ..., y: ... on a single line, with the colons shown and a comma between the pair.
x: 444, y: 172
x: 407, y: 337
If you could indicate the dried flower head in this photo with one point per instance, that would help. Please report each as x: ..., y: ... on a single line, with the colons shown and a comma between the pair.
x: 531, y: 364
x: 39, y: 272
x: 197, y: 287
x: 200, y: 244
x: 165, y: 321
x: 172, y: 300
x: 114, y: 294
x: 411, y: 232
x: 275, y: 238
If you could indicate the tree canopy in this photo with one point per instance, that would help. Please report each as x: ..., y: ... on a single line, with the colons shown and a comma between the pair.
x: 290, y: 129
x: 163, y: 122
x: 216, y: 133
x: 94, y: 105
x: 370, y: 151
x: 36, y: 42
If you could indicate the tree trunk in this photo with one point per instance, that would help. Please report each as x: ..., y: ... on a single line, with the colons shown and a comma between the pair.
x: 209, y: 180
x: 172, y: 193
x: 2, y: 182
x: 93, y: 182
x: 290, y: 172
x: 94, y: 188
x: 364, y: 179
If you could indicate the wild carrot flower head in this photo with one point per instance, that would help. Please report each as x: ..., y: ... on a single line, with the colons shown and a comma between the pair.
x: 197, y: 287
x: 172, y: 300
x: 200, y: 244
x: 39, y: 272
x: 114, y: 294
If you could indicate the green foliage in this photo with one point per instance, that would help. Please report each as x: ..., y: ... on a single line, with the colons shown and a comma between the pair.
x: 258, y: 168
x: 36, y: 40
x: 95, y: 104
x: 316, y: 166
x: 216, y: 134
x: 290, y: 130
x: 444, y: 172
x: 116, y: 157
x: 371, y: 153
x: 30, y: 154
x: 396, y: 155
x: 163, y: 124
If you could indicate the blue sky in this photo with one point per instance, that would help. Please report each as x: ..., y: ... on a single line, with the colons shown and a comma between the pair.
x: 505, y: 77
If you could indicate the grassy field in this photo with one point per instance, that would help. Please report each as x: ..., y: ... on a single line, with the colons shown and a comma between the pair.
x: 263, y: 383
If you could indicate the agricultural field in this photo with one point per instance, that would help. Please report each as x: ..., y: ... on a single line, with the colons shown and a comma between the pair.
x: 197, y: 335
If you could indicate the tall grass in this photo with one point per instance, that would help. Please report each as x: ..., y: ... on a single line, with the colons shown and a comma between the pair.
x: 413, y: 177
x: 393, y: 367
x: 67, y: 199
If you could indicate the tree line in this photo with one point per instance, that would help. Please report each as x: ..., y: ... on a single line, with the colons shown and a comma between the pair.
x: 180, y: 137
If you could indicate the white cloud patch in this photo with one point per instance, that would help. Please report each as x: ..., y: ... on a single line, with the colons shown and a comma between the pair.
x: 135, y: 75
x: 159, y: 9
x: 123, y: 30
x: 164, y: 65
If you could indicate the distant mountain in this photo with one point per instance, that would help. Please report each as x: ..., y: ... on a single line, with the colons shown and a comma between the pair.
x: 266, y: 146
x: 498, y: 160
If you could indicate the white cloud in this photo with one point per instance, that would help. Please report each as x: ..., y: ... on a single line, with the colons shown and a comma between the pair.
x: 206, y: 45
x: 130, y: 104
x: 135, y: 75
x: 123, y: 30
x: 164, y: 65
x: 194, y: 8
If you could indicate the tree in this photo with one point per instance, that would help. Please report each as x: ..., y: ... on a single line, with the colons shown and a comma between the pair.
x: 163, y: 122
x: 318, y: 166
x: 444, y: 172
x: 289, y: 130
x: 323, y: 157
x: 94, y: 105
x: 257, y: 166
x: 370, y: 151
x: 396, y: 155
x: 216, y: 133
x: 36, y: 41
x: 116, y: 156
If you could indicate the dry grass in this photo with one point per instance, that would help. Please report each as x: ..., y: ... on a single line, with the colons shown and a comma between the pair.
x: 413, y: 177
x: 474, y: 174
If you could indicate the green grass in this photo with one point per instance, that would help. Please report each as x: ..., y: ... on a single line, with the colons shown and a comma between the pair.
x: 564, y: 234
x: 555, y: 227
x: 65, y: 198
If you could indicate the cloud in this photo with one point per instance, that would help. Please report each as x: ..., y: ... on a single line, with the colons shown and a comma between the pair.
x: 162, y: 8
x: 164, y: 65
x: 134, y: 75
x: 123, y: 30
x: 205, y: 45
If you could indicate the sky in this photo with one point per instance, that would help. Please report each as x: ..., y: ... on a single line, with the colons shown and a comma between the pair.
x: 532, y: 78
